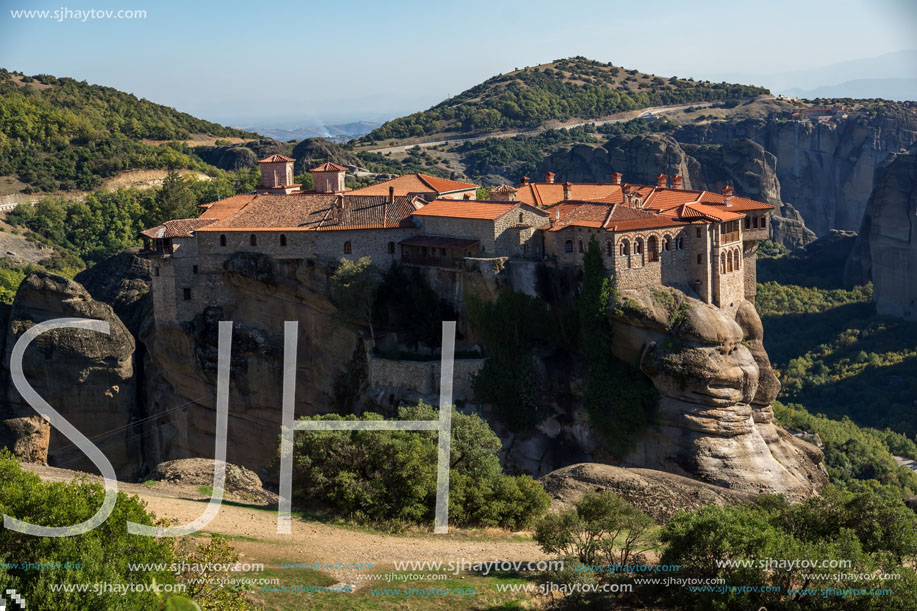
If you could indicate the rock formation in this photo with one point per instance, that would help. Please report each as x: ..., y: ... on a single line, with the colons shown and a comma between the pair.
x: 886, y: 249
x: 714, y: 421
x: 86, y: 376
x: 657, y: 493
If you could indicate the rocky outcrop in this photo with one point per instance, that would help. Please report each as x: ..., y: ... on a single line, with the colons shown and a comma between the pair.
x: 742, y: 163
x: 311, y: 152
x: 239, y: 481
x: 657, y: 493
x: 86, y: 376
x: 123, y: 282
x: 714, y: 422
x: 886, y: 249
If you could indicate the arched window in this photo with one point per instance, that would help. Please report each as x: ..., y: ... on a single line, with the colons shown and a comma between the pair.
x: 652, y: 248
x: 608, y: 250
x: 391, y: 248
x: 222, y: 239
x: 723, y: 263
x: 625, y: 248
x: 253, y: 240
x: 581, y: 246
x: 283, y: 239
x: 347, y: 248
x: 729, y: 259
x: 667, y: 242
x: 568, y: 246
x: 638, y: 246
x: 680, y: 243
x: 738, y: 260
x: 521, y: 218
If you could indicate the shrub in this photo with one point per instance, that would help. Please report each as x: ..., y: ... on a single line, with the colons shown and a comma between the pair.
x: 389, y: 477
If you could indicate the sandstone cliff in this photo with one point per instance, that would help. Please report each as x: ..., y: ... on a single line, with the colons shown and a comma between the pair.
x: 886, y: 248
x: 86, y: 376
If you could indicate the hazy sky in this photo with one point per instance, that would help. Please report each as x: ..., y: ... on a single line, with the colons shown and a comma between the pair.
x: 244, y: 63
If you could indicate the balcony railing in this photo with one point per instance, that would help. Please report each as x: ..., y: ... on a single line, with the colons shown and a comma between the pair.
x: 434, y: 261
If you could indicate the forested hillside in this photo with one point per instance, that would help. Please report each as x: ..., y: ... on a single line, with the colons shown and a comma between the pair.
x: 563, y: 89
x: 59, y: 133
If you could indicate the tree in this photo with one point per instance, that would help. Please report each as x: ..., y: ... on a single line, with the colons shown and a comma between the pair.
x: 175, y: 200
x: 354, y: 286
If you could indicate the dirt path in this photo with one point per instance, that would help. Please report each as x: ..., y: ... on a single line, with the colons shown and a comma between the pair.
x: 313, y: 541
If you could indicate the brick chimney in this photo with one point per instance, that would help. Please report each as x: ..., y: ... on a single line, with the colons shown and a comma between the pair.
x: 523, y: 181
x: 727, y: 195
x: 616, y: 178
x: 567, y: 186
x: 549, y: 178
x: 391, y: 193
x: 676, y: 181
x: 661, y: 181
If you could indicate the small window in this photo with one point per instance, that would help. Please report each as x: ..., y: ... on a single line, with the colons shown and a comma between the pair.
x: 347, y: 248
x: 186, y: 293
x: 667, y: 243
x: 391, y: 248
x: 608, y: 248
x: 700, y: 259
x: 222, y: 239
x: 581, y: 246
x: 156, y: 271
x: 763, y: 222
x: 698, y: 231
x: 194, y: 269
x: 253, y: 240
x: 680, y: 244
x: 520, y: 217
x: 283, y: 239
x: 723, y: 263
x: 442, y: 252
x: 568, y: 246
x: 748, y: 223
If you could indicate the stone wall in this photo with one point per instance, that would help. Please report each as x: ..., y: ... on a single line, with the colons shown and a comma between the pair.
x: 423, y: 377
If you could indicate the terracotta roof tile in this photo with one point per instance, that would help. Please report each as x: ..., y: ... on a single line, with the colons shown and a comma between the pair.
x: 178, y: 228
x: 227, y: 207
x: 414, y: 183
x: 275, y: 159
x: 466, y: 209
x: 329, y: 167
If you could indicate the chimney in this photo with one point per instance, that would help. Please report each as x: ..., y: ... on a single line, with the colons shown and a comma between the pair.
x: 523, y: 181
x: 557, y: 214
x: 567, y: 186
x: 727, y: 196
x: 391, y: 193
x: 549, y: 178
x: 616, y: 178
x: 661, y: 181
x: 676, y: 181
x: 466, y: 196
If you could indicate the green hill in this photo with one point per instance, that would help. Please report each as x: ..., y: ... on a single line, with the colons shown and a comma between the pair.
x: 561, y: 90
x: 59, y: 133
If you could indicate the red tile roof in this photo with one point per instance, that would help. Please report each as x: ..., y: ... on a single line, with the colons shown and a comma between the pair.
x: 466, y: 209
x: 227, y: 207
x: 415, y: 183
x: 329, y: 167
x: 275, y: 159
x: 178, y: 228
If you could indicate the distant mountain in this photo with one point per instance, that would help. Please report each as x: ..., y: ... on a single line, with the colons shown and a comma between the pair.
x: 897, y: 89
x: 560, y: 90
x: 341, y: 132
x: 890, y: 76
x: 59, y: 133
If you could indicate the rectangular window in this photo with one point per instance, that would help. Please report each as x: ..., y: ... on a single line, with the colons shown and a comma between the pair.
x: 186, y: 293
x: 700, y: 259
x: 698, y: 232
x: 156, y: 271
x: 194, y: 269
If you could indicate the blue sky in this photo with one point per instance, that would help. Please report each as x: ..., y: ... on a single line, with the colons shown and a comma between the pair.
x: 283, y: 62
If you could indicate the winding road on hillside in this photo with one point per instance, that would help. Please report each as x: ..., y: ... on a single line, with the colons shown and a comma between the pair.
x: 616, y: 118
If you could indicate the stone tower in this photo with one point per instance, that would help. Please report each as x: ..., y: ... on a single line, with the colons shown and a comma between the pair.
x: 328, y: 178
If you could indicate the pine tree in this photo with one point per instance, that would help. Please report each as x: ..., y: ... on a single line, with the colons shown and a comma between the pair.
x: 174, y: 199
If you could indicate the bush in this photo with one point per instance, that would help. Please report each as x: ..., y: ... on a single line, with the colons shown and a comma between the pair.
x: 603, y: 530
x: 389, y: 477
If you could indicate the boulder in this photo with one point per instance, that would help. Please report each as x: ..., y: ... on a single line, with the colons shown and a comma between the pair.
x: 239, y: 481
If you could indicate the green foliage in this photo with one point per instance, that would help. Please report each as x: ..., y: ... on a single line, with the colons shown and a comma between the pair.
x: 10, y: 278
x: 389, y: 477
x: 619, y: 399
x: 354, y: 285
x: 874, y: 532
x: 104, y: 553
x: 405, y: 303
x: 174, y: 200
x: 528, y: 98
x: 511, y: 329
x: 73, y: 135
x: 602, y: 529
x: 215, y: 595
x: 853, y: 454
